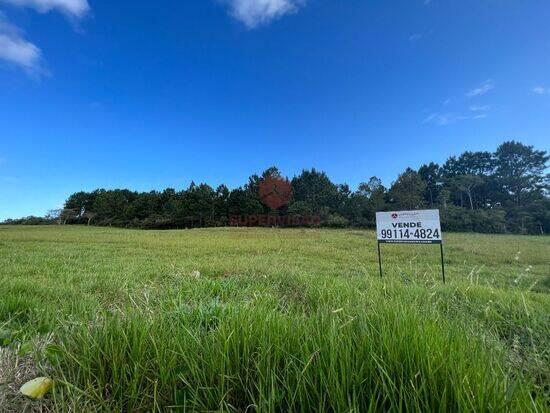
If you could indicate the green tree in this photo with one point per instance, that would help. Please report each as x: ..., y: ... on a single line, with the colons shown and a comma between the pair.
x: 481, y: 164
x: 467, y: 184
x: 369, y: 198
x: 469, y: 163
x: 315, y: 189
x: 407, y: 192
x: 431, y: 174
x: 520, y: 172
x: 299, y: 208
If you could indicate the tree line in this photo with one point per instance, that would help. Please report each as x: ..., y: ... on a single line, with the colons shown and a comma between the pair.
x: 501, y: 192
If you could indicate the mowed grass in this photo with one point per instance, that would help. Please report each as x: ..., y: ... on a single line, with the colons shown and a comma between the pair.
x: 274, y: 320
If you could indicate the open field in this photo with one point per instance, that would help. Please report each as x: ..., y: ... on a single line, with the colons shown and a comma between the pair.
x: 272, y: 320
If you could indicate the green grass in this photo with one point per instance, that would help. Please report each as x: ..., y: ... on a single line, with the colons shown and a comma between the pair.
x: 274, y: 320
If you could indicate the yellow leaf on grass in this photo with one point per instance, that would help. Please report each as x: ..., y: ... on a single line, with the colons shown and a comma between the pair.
x: 37, y: 388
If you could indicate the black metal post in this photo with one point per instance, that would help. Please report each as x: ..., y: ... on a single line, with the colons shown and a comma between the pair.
x: 442, y: 262
x: 379, y: 259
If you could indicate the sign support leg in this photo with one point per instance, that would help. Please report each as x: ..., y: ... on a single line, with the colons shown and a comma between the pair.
x: 442, y: 263
x: 379, y: 260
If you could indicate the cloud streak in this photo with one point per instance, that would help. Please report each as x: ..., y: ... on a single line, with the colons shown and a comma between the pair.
x: 541, y: 90
x: 480, y: 108
x: 485, y: 87
x: 17, y: 51
x: 444, y: 119
x: 471, y: 112
x: 73, y: 8
x: 256, y: 13
x: 448, y: 118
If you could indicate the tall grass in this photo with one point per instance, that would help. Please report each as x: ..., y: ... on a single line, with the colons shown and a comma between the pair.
x: 278, y: 320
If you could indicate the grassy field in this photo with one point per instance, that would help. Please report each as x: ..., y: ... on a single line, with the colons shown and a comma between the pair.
x: 272, y: 320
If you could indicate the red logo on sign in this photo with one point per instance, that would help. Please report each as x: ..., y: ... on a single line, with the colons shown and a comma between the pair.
x: 275, y: 192
x: 394, y: 216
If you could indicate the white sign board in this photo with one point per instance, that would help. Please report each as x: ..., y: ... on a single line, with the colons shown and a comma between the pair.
x: 409, y: 227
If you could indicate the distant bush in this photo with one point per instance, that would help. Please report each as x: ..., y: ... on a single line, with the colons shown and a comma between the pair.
x: 336, y: 221
x: 458, y: 219
x: 30, y: 220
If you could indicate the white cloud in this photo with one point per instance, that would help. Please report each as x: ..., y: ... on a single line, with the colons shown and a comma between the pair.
x: 444, y: 119
x: 73, y: 8
x: 541, y: 90
x: 480, y: 111
x: 254, y: 13
x: 480, y: 108
x: 430, y: 117
x: 471, y: 112
x: 482, y: 89
x: 17, y: 51
x: 415, y: 37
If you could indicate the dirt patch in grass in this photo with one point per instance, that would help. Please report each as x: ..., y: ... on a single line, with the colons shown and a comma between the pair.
x: 14, y: 372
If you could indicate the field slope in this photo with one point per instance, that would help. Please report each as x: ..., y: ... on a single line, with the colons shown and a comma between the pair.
x: 272, y: 320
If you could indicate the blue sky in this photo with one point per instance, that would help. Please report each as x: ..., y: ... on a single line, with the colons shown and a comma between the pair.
x: 147, y: 95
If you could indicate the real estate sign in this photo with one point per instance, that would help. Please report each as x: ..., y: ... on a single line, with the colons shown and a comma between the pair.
x: 409, y: 227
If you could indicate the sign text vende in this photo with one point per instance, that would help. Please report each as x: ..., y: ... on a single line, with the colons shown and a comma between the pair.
x: 409, y: 227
